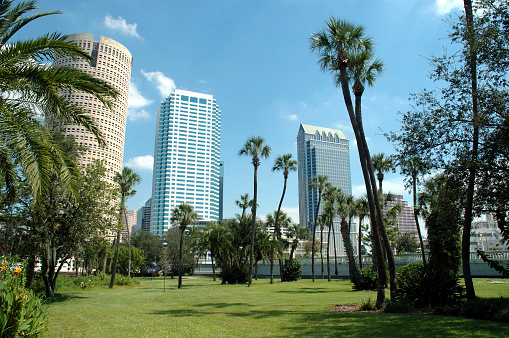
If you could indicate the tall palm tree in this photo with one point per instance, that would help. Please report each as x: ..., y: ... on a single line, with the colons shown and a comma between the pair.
x: 286, y: 164
x: 31, y: 88
x: 254, y: 147
x: 319, y: 183
x: 298, y: 233
x: 278, y: 244
x: 126, y: 180
x: 183, y: 215
x: 362, y: 211
x: 414, y: 168
x: 244, y: 202
x: 339, y: 42
x: 381, y: 164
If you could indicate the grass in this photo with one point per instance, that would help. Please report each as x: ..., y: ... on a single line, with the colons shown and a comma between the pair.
x: 203, y: 308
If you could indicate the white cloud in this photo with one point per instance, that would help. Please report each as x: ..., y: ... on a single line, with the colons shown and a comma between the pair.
x: 120, y: 25
x: 136, y: 104
x: 293, y: 213
x: 395, y: 186
x: 443, y: 7
x: 164, y: 84
x: 145, y: 162
x: 292, y: 117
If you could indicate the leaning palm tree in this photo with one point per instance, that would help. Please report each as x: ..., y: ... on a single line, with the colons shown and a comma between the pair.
x: 286, y: 164
x: 381, y: 164
x: 254, y: 147
x: 244, y: 202
x: 126, y: 180
x: 31, y: 89
x: 344, y: 208
x: 183, y: 215
x: 319, y: 183
x: 361, y: 204
x: 338, y: 44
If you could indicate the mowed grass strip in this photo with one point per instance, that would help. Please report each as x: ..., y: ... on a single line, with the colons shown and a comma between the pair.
x: 203, y: 308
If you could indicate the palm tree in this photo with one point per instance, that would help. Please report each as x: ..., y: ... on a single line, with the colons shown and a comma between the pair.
x: 329, y: 211
x: 31, y: 87
x: 126, y: 180
x: 362, y: 211
x: 286, y: 164
x: 254, y: 147
x: 298, y: 233
x: 278, y: 244
x: 319, y: 183
x: 345, y: 204
x: 413, y: 168
x: 244, y: 202
x: 382, y: 164
x: 339, y: 44
x: 183, y: 215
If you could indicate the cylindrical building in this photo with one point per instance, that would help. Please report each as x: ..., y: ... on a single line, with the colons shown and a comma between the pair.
x: 112, y: 62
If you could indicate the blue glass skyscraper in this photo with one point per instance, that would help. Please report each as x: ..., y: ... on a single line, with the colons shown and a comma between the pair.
x: 186, y: 158
x: 321, y: 151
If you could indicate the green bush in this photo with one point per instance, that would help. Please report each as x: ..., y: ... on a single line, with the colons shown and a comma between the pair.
x: 368, y: 305
x: 398, y: 306
x: 234, y: 274
x: 292, y: 270
x: 496, y: 309
x: 368, y: 279
x: 22, y: 313
x: 424, y: 287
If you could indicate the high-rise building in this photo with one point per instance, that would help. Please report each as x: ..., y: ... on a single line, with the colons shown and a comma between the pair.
x: 128, y: 221
x: 112, y: 62
x: 406, y: 219
x: 186, y: 158
x: 144, y: 215
x: 321, y: 151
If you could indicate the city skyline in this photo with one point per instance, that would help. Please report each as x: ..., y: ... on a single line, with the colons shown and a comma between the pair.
x: 254, y: 57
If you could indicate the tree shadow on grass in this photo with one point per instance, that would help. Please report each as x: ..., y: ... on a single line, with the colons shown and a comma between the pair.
x: 59, y: 298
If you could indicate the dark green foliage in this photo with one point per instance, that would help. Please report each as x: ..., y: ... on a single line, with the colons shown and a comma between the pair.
x: 496, y: 309
x: 292, y: 270
x: 234, y: 274
x: 494, y: 264
x: 137, y: 260
x: 151, y: 245
x: 406, y: 243
x: 367, y: 305
x: 368, y: 279
x: 425, y: 287
x: 398, y: 306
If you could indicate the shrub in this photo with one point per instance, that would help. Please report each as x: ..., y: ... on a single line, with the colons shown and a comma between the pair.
x: 425, y: 287
x: 22, y: 313
x: 234, y: 274
x: 496, y: 309
x: 398, y: 306
x: 368, y: 279
x: 292, y: 270
x: 368, y: 305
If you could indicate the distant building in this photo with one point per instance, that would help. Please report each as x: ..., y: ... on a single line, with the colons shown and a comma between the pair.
x: 186, y: 158
x: 129, y: 222
x: 486, y: 235
x: 321, y: 151
x: 143, y: 216
x: 112, y: 62
x: 406, y: 219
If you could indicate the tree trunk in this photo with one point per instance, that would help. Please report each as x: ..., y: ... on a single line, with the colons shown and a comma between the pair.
x: 128, y: 245
x: 359, y: 243
x: 30, y: 271
x: 277, y: 229
x: 272, y: 266
x: 314, y: 236
x: 181, y: 255
x: 416, y: 217
x: 467, y: 225
x: 253, y: 228
x: 213, y: 267
x: 335, y: 249
x: 321, y: 250
x: 347, y: 243
x: 328, y: 255
x: 115, y: 259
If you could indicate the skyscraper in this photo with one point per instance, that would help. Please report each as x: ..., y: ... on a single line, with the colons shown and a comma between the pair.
x: 186, y: 158
x: 321, y: 151
x: 143, y: 216
x: 112, y: 62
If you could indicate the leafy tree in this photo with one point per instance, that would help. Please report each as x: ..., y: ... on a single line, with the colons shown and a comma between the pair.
x: 151, y: 245
x: 137, y: 260
x: 125, y: 181
x: 319, y: 183
x: 170, y: 259
x: 298, y: 233
x: 347, y: 53
x: 254, y: 147
x: 286, y: 164
x: 183, y: 215
x: 452, y: 127
x: 406, y: 242
x: 244, y: 202
x: 31, y: 86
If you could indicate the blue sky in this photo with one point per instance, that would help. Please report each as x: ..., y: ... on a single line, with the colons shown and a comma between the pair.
x: 254, y: 57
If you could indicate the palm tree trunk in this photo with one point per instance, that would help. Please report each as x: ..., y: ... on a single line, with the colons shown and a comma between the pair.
x: 467, y: 224
x: 213, y: 267
x: 321, y: 249
x: 347, y: 243
x: 328, y: 254
x: 251, y: 250
x: 369, y: 191
x: 314, y: 236
x: 277, y: 231
x: 335, y: 251
x: 115, y: 259
x: 181, y: 256
x: 359, y: 243
x: 128, y: 245
x: 416, y: 217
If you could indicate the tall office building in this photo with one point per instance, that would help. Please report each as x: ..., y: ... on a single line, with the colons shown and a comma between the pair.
x: 321, y: 151
x: 128, y: 220
x: 406, y: 219
x: 143, y: 216
x: 111, y: 62
x: 186, y: 158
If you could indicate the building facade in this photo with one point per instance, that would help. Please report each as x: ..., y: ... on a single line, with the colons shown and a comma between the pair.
x: 321, y: 151
x: 405, y: 221
x: 128, y: 222
x: 186, y: 158
x: 143, y: 216
x: 112, y: 62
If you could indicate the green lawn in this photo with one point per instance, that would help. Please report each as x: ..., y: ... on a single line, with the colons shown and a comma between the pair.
x: 204, y: 308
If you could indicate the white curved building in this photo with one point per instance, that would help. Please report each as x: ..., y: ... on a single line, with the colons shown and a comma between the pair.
x: 112, y: 62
